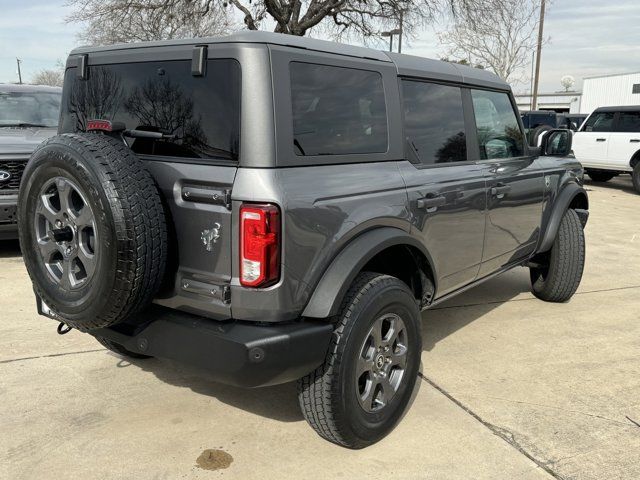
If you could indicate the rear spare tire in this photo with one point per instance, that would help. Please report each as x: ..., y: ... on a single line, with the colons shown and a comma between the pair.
x: 92, y: 229
x: 536, y: 133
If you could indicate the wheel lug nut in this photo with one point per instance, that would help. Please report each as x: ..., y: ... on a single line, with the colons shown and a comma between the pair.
x: 386, y: 349
x: 58, y: 224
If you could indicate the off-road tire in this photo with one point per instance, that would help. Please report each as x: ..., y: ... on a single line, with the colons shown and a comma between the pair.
x: 635, y: 177
x: 328, y: 396
x: 559, y: 276
x: 119, y: 349
x: 600, y: 175
x: 536, y: 133
x: 131, y: 245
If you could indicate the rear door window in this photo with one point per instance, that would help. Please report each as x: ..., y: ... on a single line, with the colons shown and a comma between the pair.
x: 628, y: 122
x: 337, y: 110
x: 599, y: 122
x: 434, y: 122
x: 200, y: 115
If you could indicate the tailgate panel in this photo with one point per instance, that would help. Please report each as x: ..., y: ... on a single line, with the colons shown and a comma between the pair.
x: 200, y: 240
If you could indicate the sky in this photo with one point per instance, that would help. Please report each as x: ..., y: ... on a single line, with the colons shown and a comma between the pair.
x: 586, y: 38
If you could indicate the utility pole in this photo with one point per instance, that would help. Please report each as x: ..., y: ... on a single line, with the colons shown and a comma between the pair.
x: 401, y: 29
x: 533, y: 61
x: 536, y: 78
x: 18, y: 61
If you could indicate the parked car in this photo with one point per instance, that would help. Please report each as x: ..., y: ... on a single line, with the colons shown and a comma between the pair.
x: 274, y: 208
x: 608, y: 144
x: 572, y: 121
x: 28, y: 115
x: 538, y: 122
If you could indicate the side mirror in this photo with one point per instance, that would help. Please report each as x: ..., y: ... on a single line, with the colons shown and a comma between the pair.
x: 556, y: 143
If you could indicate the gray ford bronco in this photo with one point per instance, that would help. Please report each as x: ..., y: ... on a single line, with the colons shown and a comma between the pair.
x: 273, y: 208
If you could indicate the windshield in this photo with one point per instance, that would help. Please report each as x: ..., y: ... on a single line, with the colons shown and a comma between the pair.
x: 29, y: 109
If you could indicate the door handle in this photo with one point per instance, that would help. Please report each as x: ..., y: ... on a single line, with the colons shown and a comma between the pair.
x: 500, y: 189
x: 431, y: 202
x: 635, y: 140
x: 601, y: 139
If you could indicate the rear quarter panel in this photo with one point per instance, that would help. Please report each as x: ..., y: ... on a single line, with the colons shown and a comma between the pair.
x: 322, y: 208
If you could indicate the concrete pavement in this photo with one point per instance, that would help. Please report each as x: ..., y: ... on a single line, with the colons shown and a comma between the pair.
x: 510, y: 388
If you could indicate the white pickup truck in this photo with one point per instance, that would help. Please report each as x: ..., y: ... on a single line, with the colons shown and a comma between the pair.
x: 608, y: 143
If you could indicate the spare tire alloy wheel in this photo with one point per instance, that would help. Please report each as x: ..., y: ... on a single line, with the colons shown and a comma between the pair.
x: 66, y: 233
x: 92, y: 230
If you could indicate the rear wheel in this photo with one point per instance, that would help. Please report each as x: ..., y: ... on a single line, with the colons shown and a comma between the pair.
x: 366, y: 382
x: 557, y: 275
x: 600, y: 175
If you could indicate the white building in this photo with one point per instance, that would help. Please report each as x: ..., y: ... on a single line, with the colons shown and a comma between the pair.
x: 610, y: 91
x: 560, y: 102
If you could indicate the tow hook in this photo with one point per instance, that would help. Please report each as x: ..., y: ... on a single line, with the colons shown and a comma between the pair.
x: 63, y: 328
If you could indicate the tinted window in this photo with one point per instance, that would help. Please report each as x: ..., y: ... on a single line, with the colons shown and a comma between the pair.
x: 628, y: 122
x: 434, y: 122
x: 499, y: 134
x: 337, y: 111
x: 599, y: 122
x: 29, y: 108
x: 201, y: 113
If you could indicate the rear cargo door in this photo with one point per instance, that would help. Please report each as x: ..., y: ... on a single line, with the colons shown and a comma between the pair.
x: 192, y: 97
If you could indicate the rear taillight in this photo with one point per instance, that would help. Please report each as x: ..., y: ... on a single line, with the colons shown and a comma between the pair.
x: 259, y: 245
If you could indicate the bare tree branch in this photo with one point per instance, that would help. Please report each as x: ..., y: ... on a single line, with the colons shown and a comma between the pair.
x: 112, y: 21
x: 120, y: 21
x: 498, y: 34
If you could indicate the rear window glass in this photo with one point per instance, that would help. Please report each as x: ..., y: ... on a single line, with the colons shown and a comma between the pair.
x: 337, y: 111
x: 201, y: 115
x: 629, y: 122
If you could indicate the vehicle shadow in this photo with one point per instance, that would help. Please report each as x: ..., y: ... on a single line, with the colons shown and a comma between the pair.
x: 447, y: 318
x: 9, y: 249
x: 280, y: 402
x: 622, y: 183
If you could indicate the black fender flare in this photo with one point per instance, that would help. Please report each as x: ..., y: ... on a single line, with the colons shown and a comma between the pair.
x: 336, y: 280
x: 560, y: 206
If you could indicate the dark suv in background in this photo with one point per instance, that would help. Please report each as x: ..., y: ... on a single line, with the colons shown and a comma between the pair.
x: 274, y: 208
x: 28, y: 115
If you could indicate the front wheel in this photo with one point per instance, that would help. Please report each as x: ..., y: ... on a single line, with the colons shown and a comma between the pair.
x: 635, y: 176
x: 366, y: 382
x: 558, y: 272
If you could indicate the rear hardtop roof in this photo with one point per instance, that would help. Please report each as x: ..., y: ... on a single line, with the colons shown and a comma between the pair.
x: 407, y: 65
x: 625, y: 108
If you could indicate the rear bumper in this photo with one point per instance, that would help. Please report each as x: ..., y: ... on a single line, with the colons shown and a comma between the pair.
x: 235, y: 353
x: 8, y: 217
